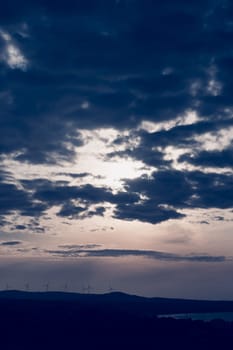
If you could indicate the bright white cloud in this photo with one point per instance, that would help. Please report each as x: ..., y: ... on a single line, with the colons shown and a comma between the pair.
x: 190, y: 117
x: 215, y: 141
x: 13, y: 56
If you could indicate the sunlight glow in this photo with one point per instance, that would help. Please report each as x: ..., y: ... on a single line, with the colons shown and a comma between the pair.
x: 107, y: 171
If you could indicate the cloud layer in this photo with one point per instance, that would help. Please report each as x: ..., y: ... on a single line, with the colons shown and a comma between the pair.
x: 117, y: 64
x: 109, y: 63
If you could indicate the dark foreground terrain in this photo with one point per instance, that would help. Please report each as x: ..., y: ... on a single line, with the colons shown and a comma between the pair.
x: 111, y: 321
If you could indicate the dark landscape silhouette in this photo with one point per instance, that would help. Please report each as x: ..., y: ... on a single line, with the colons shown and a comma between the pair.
x: 58, y: 320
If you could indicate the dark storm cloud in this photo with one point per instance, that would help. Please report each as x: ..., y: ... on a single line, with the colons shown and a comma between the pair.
x: 80, y: 246
x: 118, y: 253
x: 20, y: 227
x: 169, y: 187
x: 10, y: 243
x: 41, y: 183
x: 150, y: 149
x: 32, y: 225
x: 60, y: 193
x: 145, y: 154
x: 88, y: 195
x: 183, y: 135
x: 99, y: 211
x: 108, y: 63
x: 211, y: 190
x: 153, y: 199
x: 168, y: 191
x: 20, y: 202
x: 55, y: 194
x: 74, y: 175
x: 71, y: 210
x: 5, y: 176
x: 77, y: 212
x: 217, y: 159
x: 147, y: 211
x: 15, y: 199
x: 183, y: 189
x: 130, y: 60
x: 128, y: 205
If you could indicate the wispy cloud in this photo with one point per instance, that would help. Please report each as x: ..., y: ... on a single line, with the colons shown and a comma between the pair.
x: 80, y: 246
x: 151, y: 254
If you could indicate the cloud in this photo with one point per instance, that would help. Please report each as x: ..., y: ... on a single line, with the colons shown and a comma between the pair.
x: 146, y: 211
x: 149, y: 156
x: 55, y: 193
x: 151, y: 254
x: 180, y: 239
x: 127, y: 203
x: 74, y: 175
x: 12, y: 54
x: 116, y: 66
x: 58, y: 194
x: 71, y: 210
x: 184, y: 135
x: 80, y: 246
x: 211, y: 190
x: 169, y: 187
x: 31, y: 225
x: 216, y: 159
x: 168, y: 191
x: 15, y: 199
x: 20, y: 227
x: 176, y: 143
x: 10, y: 243
x: 152, y: 199
x: 183, y: 189
x: 5, y: 176
x: 127, y: 63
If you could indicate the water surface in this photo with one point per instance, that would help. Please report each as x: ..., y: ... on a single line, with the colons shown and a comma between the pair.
x: 226, y: 316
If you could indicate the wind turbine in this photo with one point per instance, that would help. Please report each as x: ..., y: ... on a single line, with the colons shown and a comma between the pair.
x: 27, y: 286
x: 87, y: 289
x: 110, y: 289
x: 46, y: 286
x: 66, y: 287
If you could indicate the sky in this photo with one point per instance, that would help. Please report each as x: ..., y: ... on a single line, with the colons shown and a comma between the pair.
x: 116, y: 146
